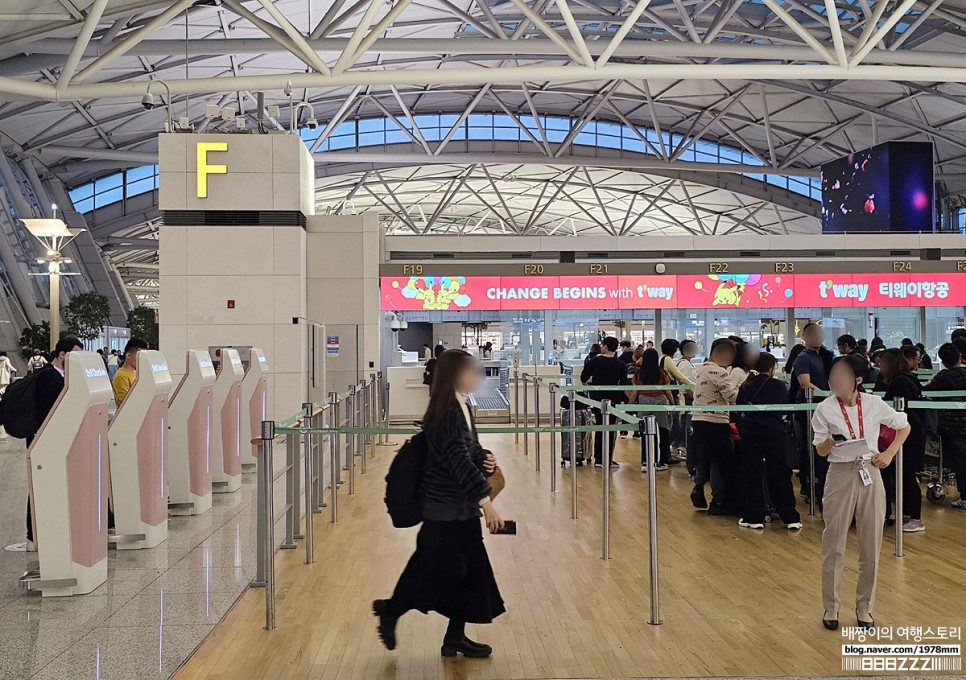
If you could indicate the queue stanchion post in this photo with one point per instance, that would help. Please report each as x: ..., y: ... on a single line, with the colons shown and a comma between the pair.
x: 650, y: 433
x: 350, y: 454
x: 268, y: 435
x: 605, y: 494
x: 536, y: 420
x: 553, y: 437
x: 361, y: 423
x: 291, y: 491
x: 373, y: 414
x: 573, y: 455
x: 516, y: 403
x: 309, y: 474
x: 812, y: 487
x: 334, y: 455
x: 526, y: 415
x: 900, y: 405
x: 262, y: 474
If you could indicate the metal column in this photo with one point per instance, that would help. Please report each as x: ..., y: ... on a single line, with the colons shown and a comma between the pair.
x: 553, y: 437
x: 900, y: 405
x: 650, y: 434
x: 812, y: 501
x: 605, y: 495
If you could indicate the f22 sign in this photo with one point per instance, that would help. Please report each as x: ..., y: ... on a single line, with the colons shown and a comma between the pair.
x: 736, y: 291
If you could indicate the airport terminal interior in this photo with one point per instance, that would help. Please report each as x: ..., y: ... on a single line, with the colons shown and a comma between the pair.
x: 482, y: 339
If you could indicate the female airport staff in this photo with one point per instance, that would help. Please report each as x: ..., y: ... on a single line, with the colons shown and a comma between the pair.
x: 846, y: 430
x: 450, y: 572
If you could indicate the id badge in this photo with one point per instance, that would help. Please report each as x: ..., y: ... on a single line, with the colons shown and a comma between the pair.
x: 865, y: 476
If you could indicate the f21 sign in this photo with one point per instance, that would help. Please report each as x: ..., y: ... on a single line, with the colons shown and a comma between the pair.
x: 736, y: 291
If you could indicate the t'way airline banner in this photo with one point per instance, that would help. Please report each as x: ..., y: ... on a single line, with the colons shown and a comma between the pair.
x: 737, y: 291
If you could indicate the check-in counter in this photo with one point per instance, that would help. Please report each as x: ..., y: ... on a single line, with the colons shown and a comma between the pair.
x: 408, y: 396
x: 67, y: 475
x: 226, y: 432
x: 138, y: 457
x: 189, y: 437
x: 254, y: 394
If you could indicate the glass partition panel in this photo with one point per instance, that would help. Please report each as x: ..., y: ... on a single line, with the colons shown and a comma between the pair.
x: 940, y: 323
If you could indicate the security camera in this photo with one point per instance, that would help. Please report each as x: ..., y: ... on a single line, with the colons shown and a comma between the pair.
x: 147, y: 101
x: 287, y: 90
x: 312, y: 123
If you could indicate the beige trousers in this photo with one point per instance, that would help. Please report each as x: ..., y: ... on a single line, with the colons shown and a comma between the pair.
x: 846, y: 496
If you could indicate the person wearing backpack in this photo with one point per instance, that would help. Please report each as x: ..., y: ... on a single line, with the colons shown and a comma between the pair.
x: 763, y: 458
x: 50, y: 383
x: 450, y: 572
x: 37, y: 361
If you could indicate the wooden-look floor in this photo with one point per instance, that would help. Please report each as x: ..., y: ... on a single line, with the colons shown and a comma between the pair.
x: 734, y: 601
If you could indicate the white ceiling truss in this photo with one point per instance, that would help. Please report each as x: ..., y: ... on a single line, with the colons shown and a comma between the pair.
x: 546, y: 200
x: 791, y: 84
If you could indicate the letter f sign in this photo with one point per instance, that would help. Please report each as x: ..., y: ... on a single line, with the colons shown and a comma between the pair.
x: 204, y: 169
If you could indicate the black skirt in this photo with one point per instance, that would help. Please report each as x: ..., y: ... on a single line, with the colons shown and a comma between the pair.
x: 450, y: 573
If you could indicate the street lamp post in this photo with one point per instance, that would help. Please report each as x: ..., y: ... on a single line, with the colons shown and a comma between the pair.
x: 54, y: 235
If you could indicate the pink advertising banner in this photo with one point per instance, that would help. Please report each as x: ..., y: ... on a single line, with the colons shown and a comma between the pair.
x: 739, y: 291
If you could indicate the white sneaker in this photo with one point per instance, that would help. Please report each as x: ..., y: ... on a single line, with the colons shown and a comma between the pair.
x: 750, y: 525
x: 661, y: 467
x: 794, y: 526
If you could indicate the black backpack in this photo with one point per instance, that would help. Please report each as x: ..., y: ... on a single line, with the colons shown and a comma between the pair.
x: 403, y: 502
x: 18, y: 408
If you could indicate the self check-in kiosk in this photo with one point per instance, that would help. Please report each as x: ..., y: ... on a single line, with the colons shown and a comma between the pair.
x: 68, y: 478
x: 254, y: 403
x: 226, y: 432
x: 138, y: 453
x: 189, y: 437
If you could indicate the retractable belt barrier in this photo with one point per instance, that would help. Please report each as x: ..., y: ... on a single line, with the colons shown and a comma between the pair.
x: 345, y: 423
x: 351, y: 420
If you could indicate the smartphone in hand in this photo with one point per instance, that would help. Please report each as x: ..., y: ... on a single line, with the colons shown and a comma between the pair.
x: 838, y: 437
x: 509, y: 527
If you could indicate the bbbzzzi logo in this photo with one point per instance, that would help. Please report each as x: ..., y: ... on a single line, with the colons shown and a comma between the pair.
x: 902, y: 649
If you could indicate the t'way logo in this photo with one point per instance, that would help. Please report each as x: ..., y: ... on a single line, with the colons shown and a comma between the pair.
x: 843, y: 291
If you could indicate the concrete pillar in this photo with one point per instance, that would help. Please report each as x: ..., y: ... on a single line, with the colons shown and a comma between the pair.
x: 343, y: 292
x: 232, y: 252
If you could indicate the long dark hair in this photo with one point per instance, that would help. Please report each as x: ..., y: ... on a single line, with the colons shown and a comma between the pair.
x: 759, y: 374
x: 442, y: 396
x: 891, y: 365
x: 650, y: 373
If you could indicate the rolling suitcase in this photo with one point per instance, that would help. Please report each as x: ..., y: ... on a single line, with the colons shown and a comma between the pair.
x: 584, y: 440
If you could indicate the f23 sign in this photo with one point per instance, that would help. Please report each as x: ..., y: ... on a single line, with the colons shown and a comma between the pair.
x: 735, y: 291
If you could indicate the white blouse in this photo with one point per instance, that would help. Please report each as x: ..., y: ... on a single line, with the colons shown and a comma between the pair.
x: 462, y: 398
x: 828, y: 421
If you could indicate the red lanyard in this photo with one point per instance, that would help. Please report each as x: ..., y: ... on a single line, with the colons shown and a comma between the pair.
x: 858, y: 403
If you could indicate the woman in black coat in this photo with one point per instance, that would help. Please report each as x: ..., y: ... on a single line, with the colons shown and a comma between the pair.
x: 450, y: 572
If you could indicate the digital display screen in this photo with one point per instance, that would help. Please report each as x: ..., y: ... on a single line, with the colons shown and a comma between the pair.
x: 683, y: 291
x: 886, y: 188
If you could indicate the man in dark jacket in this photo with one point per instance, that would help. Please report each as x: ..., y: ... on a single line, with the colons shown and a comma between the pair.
x: 605, y: 369
x: 952, y: 423
x: 50, y: 383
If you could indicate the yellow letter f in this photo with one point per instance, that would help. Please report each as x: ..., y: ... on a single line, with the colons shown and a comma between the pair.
x: 204, y: 169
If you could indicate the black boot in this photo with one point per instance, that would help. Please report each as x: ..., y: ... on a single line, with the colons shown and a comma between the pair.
x: 455, y: 643
x: 387, y: 623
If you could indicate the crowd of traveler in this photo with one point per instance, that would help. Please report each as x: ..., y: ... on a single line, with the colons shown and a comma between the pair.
x: 748, y: 457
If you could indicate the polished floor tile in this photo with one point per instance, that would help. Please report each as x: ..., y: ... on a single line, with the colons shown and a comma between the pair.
x: 155, y: 608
